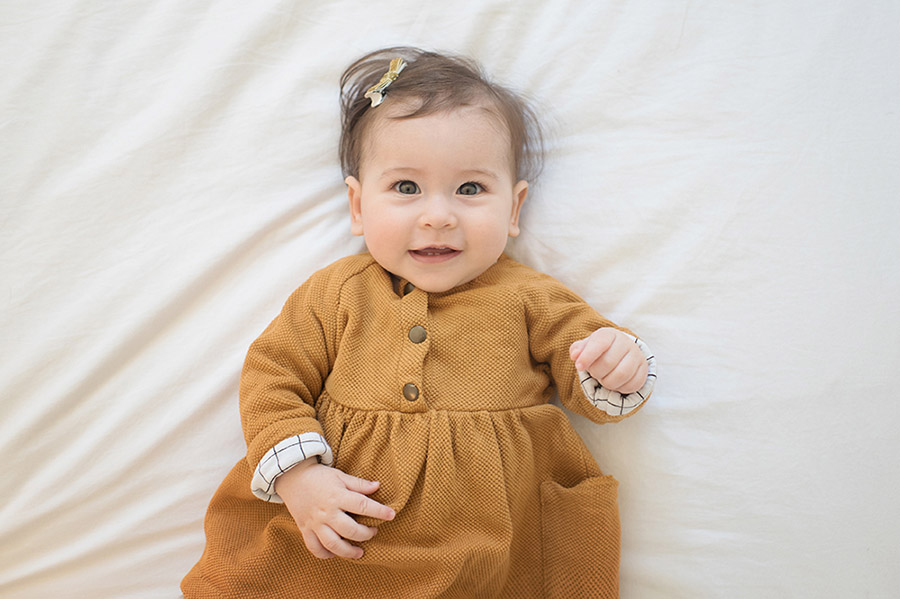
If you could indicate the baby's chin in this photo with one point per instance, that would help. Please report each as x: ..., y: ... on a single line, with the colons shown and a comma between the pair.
x: 431, y: 286
x: 435, y: 284
x: 440, y: 284
x: 436, y: 273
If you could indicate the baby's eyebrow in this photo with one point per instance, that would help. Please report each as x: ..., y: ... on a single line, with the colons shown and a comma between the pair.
x: 486, y: 173
x: 398, y: 170
x: 409, y: 171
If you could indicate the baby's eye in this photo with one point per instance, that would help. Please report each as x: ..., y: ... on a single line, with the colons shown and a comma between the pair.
x: 407, y: 187
x: 469, y: 189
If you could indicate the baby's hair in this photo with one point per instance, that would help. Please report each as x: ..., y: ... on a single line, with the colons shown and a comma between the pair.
x: 435, y: 83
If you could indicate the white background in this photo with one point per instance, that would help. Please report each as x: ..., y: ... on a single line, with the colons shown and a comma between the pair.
x: 723, y: 178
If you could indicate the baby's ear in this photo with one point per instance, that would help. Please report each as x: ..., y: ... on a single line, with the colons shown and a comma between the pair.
x: 354, y: 194
x: 520, y: 190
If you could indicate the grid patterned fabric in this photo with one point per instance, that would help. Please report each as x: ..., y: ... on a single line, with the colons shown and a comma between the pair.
x: 495, y: 493
x: 285, y: 455
x: 613, y: 402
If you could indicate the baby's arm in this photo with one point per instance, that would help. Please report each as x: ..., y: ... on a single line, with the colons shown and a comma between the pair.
x: 283, y: 374
x: 321, y: 498
x: 606, y: 374
x: 613, y: 358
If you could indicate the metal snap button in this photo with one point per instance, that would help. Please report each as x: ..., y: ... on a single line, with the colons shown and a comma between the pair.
x: 417, y: 334
x: 410, y: 392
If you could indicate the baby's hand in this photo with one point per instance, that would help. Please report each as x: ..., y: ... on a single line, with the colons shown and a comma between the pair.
x: 321, y: 498
x: 613, y: 358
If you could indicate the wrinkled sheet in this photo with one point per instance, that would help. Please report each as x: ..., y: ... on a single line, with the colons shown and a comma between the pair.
x: 722, y: 178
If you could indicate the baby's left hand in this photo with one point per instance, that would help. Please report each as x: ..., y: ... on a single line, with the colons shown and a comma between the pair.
x: 613, y: 358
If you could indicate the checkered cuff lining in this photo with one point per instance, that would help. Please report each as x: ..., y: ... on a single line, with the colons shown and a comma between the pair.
x: 613, y: 402
x: 282, y: 457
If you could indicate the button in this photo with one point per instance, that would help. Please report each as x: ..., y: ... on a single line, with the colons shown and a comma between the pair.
x: 408, y: 288
x: 417, y: 334
x: 410, y: 392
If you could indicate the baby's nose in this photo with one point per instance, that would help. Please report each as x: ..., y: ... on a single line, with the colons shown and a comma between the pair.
x: 437, y: 213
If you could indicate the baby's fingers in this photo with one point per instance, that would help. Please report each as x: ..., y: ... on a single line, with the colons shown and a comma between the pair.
x: 335, y: 544
x: 600, y: 352
x: 357, y: 502
x: 637, y: 381
x: 315, y: 546
x: 352, y: 530
x: 575, y: 349
x: 628, y: 375
x: 361, y: 505
x: 358, y: 485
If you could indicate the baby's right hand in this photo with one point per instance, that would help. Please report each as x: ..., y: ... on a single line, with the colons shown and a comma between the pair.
x: 321, y: 499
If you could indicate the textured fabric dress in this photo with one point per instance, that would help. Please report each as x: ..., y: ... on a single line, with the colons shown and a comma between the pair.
x: 443, y: 399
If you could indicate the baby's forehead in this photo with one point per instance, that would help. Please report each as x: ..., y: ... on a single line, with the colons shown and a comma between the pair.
x: 476, y: 116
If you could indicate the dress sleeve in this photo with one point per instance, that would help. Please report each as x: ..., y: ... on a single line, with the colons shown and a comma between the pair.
x: 283, y: 376
x: 558, y: 317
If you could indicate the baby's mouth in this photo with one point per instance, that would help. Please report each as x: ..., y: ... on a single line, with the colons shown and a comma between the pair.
x: 434, y: 253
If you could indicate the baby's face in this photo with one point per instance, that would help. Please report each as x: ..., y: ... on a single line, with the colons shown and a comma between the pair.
x: 436, y: 197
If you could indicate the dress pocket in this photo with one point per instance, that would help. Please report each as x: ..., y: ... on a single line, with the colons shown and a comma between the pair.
x: 580, y: 537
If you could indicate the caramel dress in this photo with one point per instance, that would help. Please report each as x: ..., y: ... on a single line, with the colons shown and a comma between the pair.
x: 443, y: 399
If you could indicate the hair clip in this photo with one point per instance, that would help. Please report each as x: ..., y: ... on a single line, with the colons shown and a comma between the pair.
x: 377, y: 91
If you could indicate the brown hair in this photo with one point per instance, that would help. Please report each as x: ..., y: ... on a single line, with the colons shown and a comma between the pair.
x: 436, y: 82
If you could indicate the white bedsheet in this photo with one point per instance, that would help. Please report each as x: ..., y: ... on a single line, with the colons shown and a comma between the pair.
x: 723, y: 178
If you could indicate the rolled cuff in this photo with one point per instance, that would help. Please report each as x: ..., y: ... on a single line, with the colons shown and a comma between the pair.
x: 285, y: 455
x: 613, y: 402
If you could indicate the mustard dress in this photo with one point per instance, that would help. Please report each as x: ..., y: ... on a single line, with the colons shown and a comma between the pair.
x: 444, y: 399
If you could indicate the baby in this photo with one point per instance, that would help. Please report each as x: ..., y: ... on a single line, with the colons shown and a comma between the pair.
x: 401, y: 440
